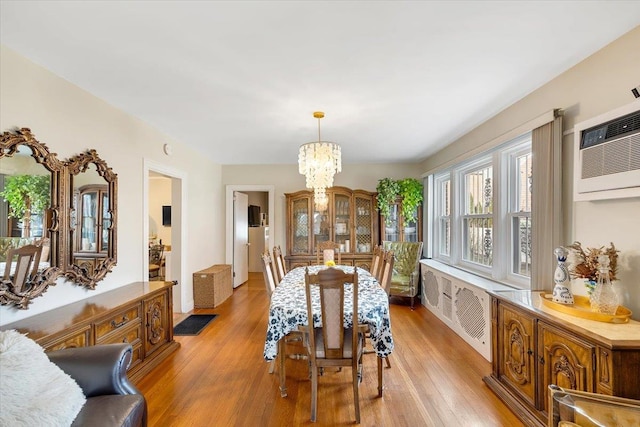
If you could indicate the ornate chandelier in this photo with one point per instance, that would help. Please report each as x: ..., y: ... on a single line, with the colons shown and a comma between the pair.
x: 319, y: 162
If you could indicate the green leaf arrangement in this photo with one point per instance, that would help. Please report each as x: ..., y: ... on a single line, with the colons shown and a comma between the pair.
x: 411, y: 191
x: 387, y: 190
x: 26, y: 194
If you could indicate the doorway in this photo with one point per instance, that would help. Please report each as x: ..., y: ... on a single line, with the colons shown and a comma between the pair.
x: 230, y: 218
x: 164, y: 193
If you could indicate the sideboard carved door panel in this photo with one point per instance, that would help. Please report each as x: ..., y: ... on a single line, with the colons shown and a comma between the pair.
x: 157, y: 322
x: 517, y: 348
x: 564, y: 360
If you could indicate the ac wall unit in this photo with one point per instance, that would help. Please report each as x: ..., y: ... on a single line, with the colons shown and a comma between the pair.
x: 607, y: 155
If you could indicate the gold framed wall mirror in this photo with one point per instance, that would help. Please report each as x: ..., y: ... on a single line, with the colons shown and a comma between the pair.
x: 66, y: 209
x: 90, y: 245
x: 30, y: 215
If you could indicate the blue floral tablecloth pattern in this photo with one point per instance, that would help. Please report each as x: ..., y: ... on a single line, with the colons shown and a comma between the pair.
x: 288, y: 309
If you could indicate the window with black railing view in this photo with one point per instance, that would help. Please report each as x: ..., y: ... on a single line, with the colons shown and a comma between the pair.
x: 482, y: 213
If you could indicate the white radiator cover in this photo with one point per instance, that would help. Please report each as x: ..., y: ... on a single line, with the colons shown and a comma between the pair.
x: 462, y: 306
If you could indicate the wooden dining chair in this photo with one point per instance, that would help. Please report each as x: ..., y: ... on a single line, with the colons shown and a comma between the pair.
x: 270, y: 285
x: 26, y: 266
x: 386, y: 270
x: 269, y: 273
x: 155, y: 261
x: 278, y: 260
x: 328, y: 246
x: 332, y: 344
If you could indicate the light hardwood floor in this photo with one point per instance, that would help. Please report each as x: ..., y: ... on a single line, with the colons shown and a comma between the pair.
x: 219, y: 378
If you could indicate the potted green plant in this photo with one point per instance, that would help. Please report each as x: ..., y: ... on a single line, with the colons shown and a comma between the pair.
x: 411, y: 191
x: 387, y: 190
x: 27, y: 195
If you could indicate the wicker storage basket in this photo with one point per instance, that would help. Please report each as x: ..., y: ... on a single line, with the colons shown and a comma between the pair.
x: 212, y: 286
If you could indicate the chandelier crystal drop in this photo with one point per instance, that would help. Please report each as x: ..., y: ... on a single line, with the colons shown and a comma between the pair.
x: 319, y: 162
x: 320, y: 199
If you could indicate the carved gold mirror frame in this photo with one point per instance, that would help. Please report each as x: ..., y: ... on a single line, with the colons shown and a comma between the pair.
x: 11, y: 144
x: 89, y: 246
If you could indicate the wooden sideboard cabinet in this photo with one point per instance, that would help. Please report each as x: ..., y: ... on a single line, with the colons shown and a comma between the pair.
x: 533, y: 346
x: 350, y: 220
x: 140, y: 314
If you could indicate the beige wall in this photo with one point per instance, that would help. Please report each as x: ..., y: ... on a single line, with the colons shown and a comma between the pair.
x: 600, y: 83
x: 70, y: 120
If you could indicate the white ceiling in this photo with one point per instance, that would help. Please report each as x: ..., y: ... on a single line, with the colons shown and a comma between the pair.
x: 239, y: 81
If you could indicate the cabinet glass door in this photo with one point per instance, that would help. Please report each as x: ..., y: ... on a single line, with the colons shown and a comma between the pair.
x: 342, y: 229
x: 321, y: 227
x: 364, y: 227
x: 88, y: 234
x: 301, y: 226
x: 392, y: 224
x: 410, y: 230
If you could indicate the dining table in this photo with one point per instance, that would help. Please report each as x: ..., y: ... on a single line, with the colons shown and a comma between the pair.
x: 288, y: 312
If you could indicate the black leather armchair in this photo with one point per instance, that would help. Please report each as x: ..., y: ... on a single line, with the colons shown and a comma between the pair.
x: 101, y: 372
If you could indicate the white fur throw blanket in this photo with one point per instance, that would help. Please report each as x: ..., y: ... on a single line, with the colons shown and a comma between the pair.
x: 33, y: 390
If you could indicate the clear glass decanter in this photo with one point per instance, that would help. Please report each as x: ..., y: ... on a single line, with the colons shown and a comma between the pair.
x: 604, y: 299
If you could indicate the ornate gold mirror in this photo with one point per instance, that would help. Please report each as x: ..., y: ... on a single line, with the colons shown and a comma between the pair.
x: 30, y: 201
x: 90, y: 247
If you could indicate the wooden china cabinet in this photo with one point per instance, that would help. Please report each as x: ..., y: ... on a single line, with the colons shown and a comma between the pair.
x: 350, y: 220
x: 394, y: 229
x: 94, y: 219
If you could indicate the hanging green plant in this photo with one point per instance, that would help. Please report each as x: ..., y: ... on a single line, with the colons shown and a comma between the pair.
x: 411, y: 191
x: 387, y: 190
x: 26, y: 195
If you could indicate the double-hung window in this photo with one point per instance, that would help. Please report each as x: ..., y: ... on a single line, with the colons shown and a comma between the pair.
x: 482, y: 213
x: 443, y: 216
x: 476, y: 216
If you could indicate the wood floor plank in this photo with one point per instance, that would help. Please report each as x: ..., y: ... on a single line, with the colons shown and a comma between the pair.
x: 219, y: 378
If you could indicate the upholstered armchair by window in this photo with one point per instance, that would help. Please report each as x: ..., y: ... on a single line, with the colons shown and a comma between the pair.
x: 406, y: 268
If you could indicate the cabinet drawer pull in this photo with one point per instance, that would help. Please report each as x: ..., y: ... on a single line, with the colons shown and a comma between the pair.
x: 541, y: 360
x: 115, y: 325
x: 529, y: 352
x: 124, y: 340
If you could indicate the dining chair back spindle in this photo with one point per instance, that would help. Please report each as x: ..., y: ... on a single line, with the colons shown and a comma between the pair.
x: 280, y: 266
x: 45, y: 242
x: 332, y: 344
x: 26, y: 266
x: 268, y: 273
x: 376, y: 261
x: 386, y: 270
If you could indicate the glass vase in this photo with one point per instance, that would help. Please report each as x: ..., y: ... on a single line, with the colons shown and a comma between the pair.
x: 604, y: 298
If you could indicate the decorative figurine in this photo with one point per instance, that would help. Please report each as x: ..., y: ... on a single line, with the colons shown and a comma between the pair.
x: 561, y: 291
